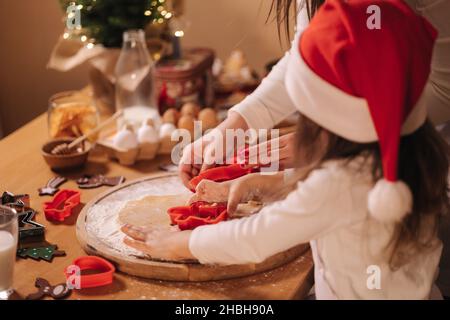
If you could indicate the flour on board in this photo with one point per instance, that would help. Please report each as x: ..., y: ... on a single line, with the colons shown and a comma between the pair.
x: 103, y: 222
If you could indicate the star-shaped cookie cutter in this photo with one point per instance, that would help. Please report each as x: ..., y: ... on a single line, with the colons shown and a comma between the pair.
x: 27, y: 227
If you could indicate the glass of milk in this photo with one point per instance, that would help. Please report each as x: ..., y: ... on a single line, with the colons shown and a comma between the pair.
x: 9, y: 231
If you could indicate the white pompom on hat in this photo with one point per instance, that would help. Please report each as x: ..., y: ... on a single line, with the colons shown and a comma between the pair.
x: 366, y: 85
x: 390, y: 201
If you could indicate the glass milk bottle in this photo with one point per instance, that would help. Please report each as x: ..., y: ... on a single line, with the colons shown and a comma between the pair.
x: 134, y: 81
x: 9, y: 232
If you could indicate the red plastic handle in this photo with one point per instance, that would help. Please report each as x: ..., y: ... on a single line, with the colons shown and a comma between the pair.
x: 104, y: 276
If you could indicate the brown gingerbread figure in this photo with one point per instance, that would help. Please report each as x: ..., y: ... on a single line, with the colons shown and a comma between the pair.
x: 59, y: 291
x: 52, y: 186
x: 96, y: 181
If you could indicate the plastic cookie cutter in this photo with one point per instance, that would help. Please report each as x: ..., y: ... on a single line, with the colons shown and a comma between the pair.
x: 220, y: 174
x: 62, y: 205
x: 198, y: 214
x: 239, y: 167
x: 104, y: 276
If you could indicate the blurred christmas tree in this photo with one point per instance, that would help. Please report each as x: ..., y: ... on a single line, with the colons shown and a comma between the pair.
x: 104, y: 21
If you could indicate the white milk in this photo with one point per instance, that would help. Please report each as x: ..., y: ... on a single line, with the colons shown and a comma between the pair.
x: 7, y: 259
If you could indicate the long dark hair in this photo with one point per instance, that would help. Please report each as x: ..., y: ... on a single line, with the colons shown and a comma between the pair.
x: 282, y: 10
x: 423, y: 166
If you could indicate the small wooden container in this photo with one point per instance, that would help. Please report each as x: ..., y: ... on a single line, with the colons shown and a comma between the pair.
x: 65, y: 162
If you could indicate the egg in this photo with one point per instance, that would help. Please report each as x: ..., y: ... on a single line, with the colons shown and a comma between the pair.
x: 147, y: 133
x: 187, y: 122
x: 190, y: 109
x: 166, y: 130
x: 172, y: 115
x: 125, y: 139
x: 208, y: 117
x: 149, y: 122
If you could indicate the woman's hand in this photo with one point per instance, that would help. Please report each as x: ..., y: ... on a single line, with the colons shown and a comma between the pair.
x: 284, y: 152
x: 191, y: 161
x: 255, y: 186
x: 200, y: 155
x: 159, y: 243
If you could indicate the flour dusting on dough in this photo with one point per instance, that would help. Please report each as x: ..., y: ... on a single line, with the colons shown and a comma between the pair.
x: 151, y: 210
x: 102, y: 219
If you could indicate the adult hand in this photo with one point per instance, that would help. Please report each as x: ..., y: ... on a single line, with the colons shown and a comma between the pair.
x: 191, y: 161
x: 200, y: 155
x: 281, y: 149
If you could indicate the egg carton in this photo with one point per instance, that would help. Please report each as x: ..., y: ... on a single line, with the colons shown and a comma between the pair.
x: 145, y: 151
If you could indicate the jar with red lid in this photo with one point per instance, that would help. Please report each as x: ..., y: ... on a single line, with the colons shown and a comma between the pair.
x: 188, y: 79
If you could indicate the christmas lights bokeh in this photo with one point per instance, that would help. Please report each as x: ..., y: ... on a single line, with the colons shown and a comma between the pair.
x: 104, y: 21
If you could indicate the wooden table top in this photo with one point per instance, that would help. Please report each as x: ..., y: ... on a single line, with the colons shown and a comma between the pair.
x: 23, y: 170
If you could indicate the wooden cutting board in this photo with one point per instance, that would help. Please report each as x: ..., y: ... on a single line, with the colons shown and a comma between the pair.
x: 164, y: 191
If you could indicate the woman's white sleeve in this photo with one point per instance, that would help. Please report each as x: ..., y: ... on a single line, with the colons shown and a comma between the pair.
x: 307, y: 213
x: 437, y: 12
x: 270, y: 103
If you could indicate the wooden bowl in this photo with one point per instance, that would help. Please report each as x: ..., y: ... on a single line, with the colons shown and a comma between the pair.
x: 64, y: 162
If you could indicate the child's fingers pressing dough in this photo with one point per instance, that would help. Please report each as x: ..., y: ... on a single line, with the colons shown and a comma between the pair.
x: 211, y: 191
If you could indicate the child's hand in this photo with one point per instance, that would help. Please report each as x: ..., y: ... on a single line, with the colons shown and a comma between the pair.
x: 211, y: 191
x: 253, y: 186
x: 159, y: 243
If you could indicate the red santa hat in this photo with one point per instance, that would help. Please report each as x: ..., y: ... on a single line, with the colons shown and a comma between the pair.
x: 366, y: 84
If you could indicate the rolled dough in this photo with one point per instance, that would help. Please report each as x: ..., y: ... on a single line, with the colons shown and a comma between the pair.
x: 152, y: 210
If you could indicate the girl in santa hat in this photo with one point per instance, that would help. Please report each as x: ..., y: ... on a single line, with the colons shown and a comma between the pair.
x: 372, y: 180
x: 271, y: 103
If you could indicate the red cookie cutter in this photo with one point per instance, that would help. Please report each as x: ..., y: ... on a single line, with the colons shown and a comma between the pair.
x: 62, y: 205
x: 198, y: 214
x: 220, y: 174
x: 104, y: 276
x: 236, y: 169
